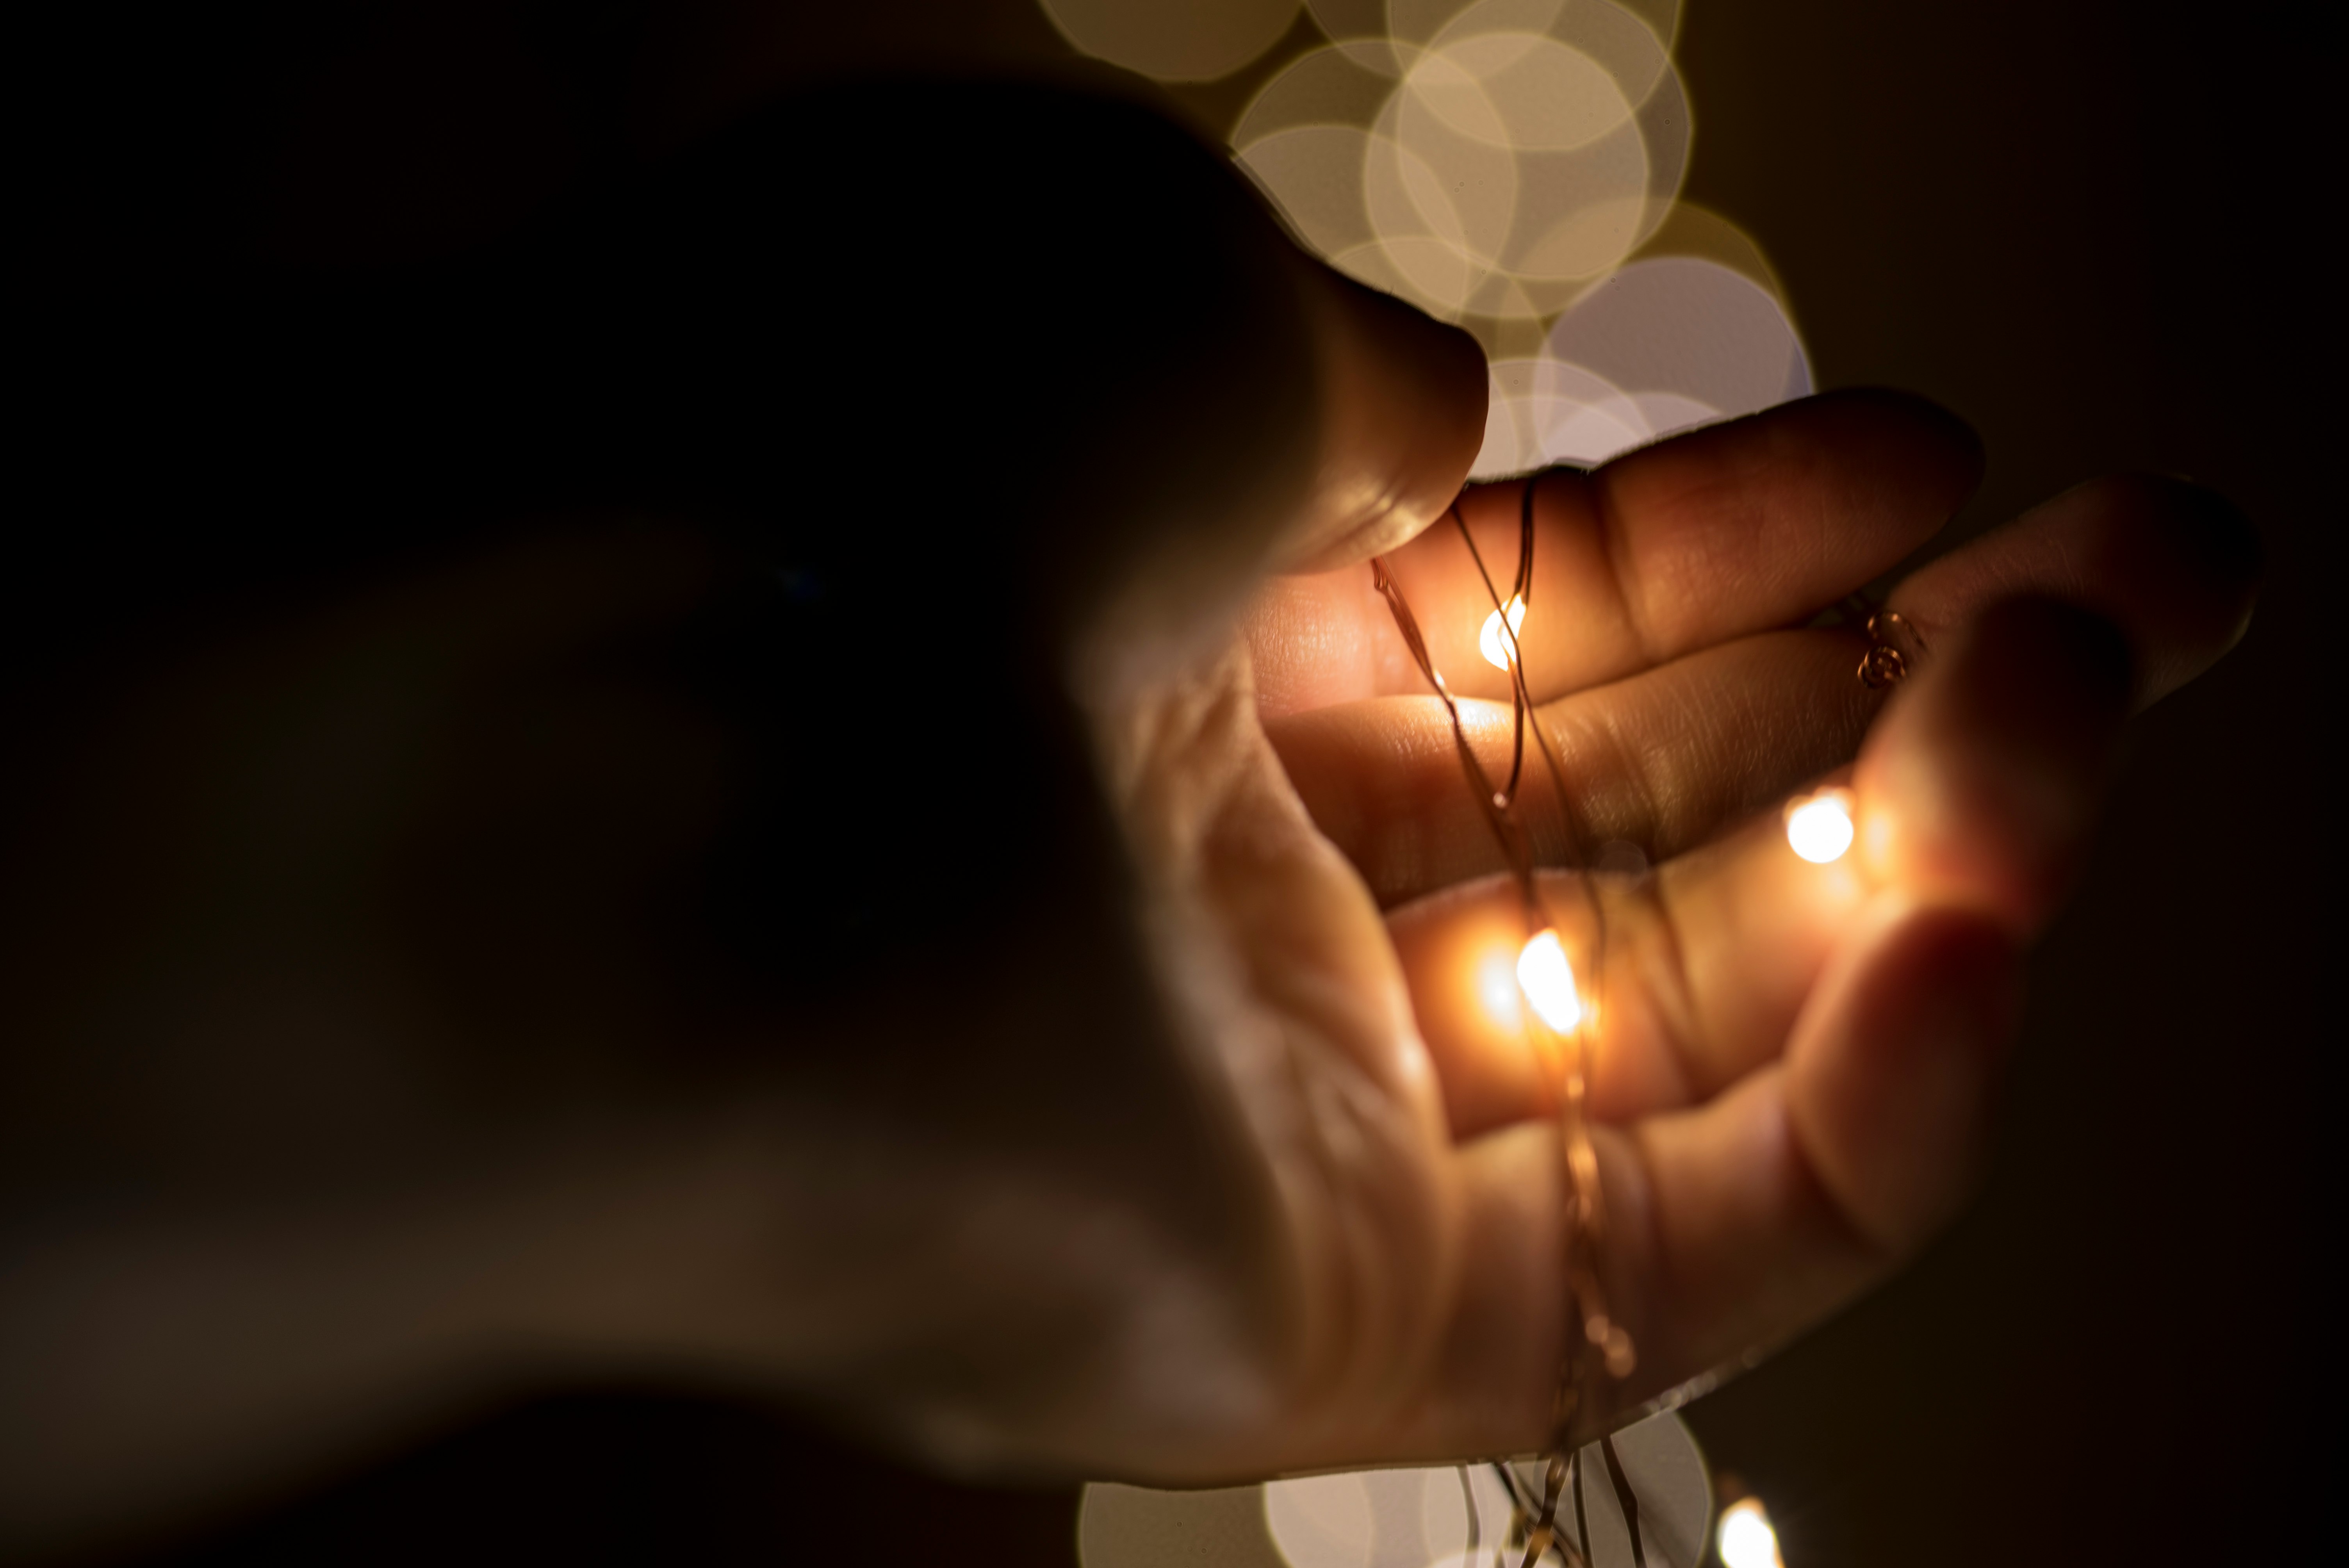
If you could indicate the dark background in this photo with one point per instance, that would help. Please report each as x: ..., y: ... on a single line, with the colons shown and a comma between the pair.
x: 2100, y: 232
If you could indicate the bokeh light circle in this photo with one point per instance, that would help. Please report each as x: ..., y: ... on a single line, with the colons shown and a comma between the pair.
x: 1330, y: 86
x: 1688, y: 327
x: 1177, y: 40
x: 1314, y: 175
x: 1540, y: 411
x: 1407, y: 1517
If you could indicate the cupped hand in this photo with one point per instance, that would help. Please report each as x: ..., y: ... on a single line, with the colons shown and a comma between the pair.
x: 1794, y: 1065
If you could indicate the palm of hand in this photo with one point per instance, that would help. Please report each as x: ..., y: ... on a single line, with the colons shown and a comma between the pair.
x: 1794, y: 1070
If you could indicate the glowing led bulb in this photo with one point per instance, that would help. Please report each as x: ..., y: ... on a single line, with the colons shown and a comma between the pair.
x: 1819, y: 826
x: 1746, y: 1537
x: 1547, y: 980
x: 1491, y: 643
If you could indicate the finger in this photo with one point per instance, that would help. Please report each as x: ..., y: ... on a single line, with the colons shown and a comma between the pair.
x: 1712, y: 535
x: 2171, y: 564
x: 1403, y: 415
x: 1889, y: 1072
x: 1662, y: 761
x: 1733, y: 1225
x: 1746, y: 1219
x: 1659, y: 760
x: 1976, y: 792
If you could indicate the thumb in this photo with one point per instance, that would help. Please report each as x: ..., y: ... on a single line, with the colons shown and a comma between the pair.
x: 1395, y: 419
x: 1403, y: 415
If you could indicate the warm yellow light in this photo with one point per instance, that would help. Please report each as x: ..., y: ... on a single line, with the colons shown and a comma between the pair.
x: 1490, y: 643
x: 1746, y: 1537
x: 1819, y: 826
x: 1496, y: 984
x: 1547, y: 980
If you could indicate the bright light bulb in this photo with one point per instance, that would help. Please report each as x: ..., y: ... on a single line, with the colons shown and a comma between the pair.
x: 1490, y: 643
x: 1746, y: 1537
x: 1547, y: 980
x: 1819, y: 826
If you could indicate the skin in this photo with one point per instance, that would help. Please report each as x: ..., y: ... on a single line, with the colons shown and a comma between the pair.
x: 1198, y: 1154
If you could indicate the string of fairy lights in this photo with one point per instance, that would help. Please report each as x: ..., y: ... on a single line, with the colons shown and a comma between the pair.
x: 1562, y: 1025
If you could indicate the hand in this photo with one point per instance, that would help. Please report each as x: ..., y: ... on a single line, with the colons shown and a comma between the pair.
x: 1796, y: 1065
x: 950, y: 1003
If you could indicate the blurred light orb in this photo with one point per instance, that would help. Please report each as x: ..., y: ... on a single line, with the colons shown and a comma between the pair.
x: 1314, y: 173
x: 1497, y: 988
x: 1323, y: 1520
x: 1687, y: 326
x: 1818, y: 827
x: 1173, y: 40
x: 1491, y: 643
x: 1521, y: 91
x: 1547, y: 980
x: 1417, y: 1516
x: 1745, y: 1538
x: 1327, y: 87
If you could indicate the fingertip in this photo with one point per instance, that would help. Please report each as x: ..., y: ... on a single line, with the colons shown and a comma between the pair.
x: 1403, y: 418
x: 1952, y: 441
x: 2201, y: 556
x: 1939, y: 455
x: 2174, y: 565
x: 2215, y: 539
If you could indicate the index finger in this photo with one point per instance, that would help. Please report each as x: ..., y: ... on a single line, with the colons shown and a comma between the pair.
x: 1733, y: 529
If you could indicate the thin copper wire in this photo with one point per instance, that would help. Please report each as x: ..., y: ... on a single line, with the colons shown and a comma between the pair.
x: 1600, y: 1338
x: 1895, y: 647
x: 1495, y: 805
x: 1894, y: 651
x: 1521, y: 696
x: 1625, y: 1497
x: 1576, y: 1553
x: 1519, y: 592
x: 1582, y: 1523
